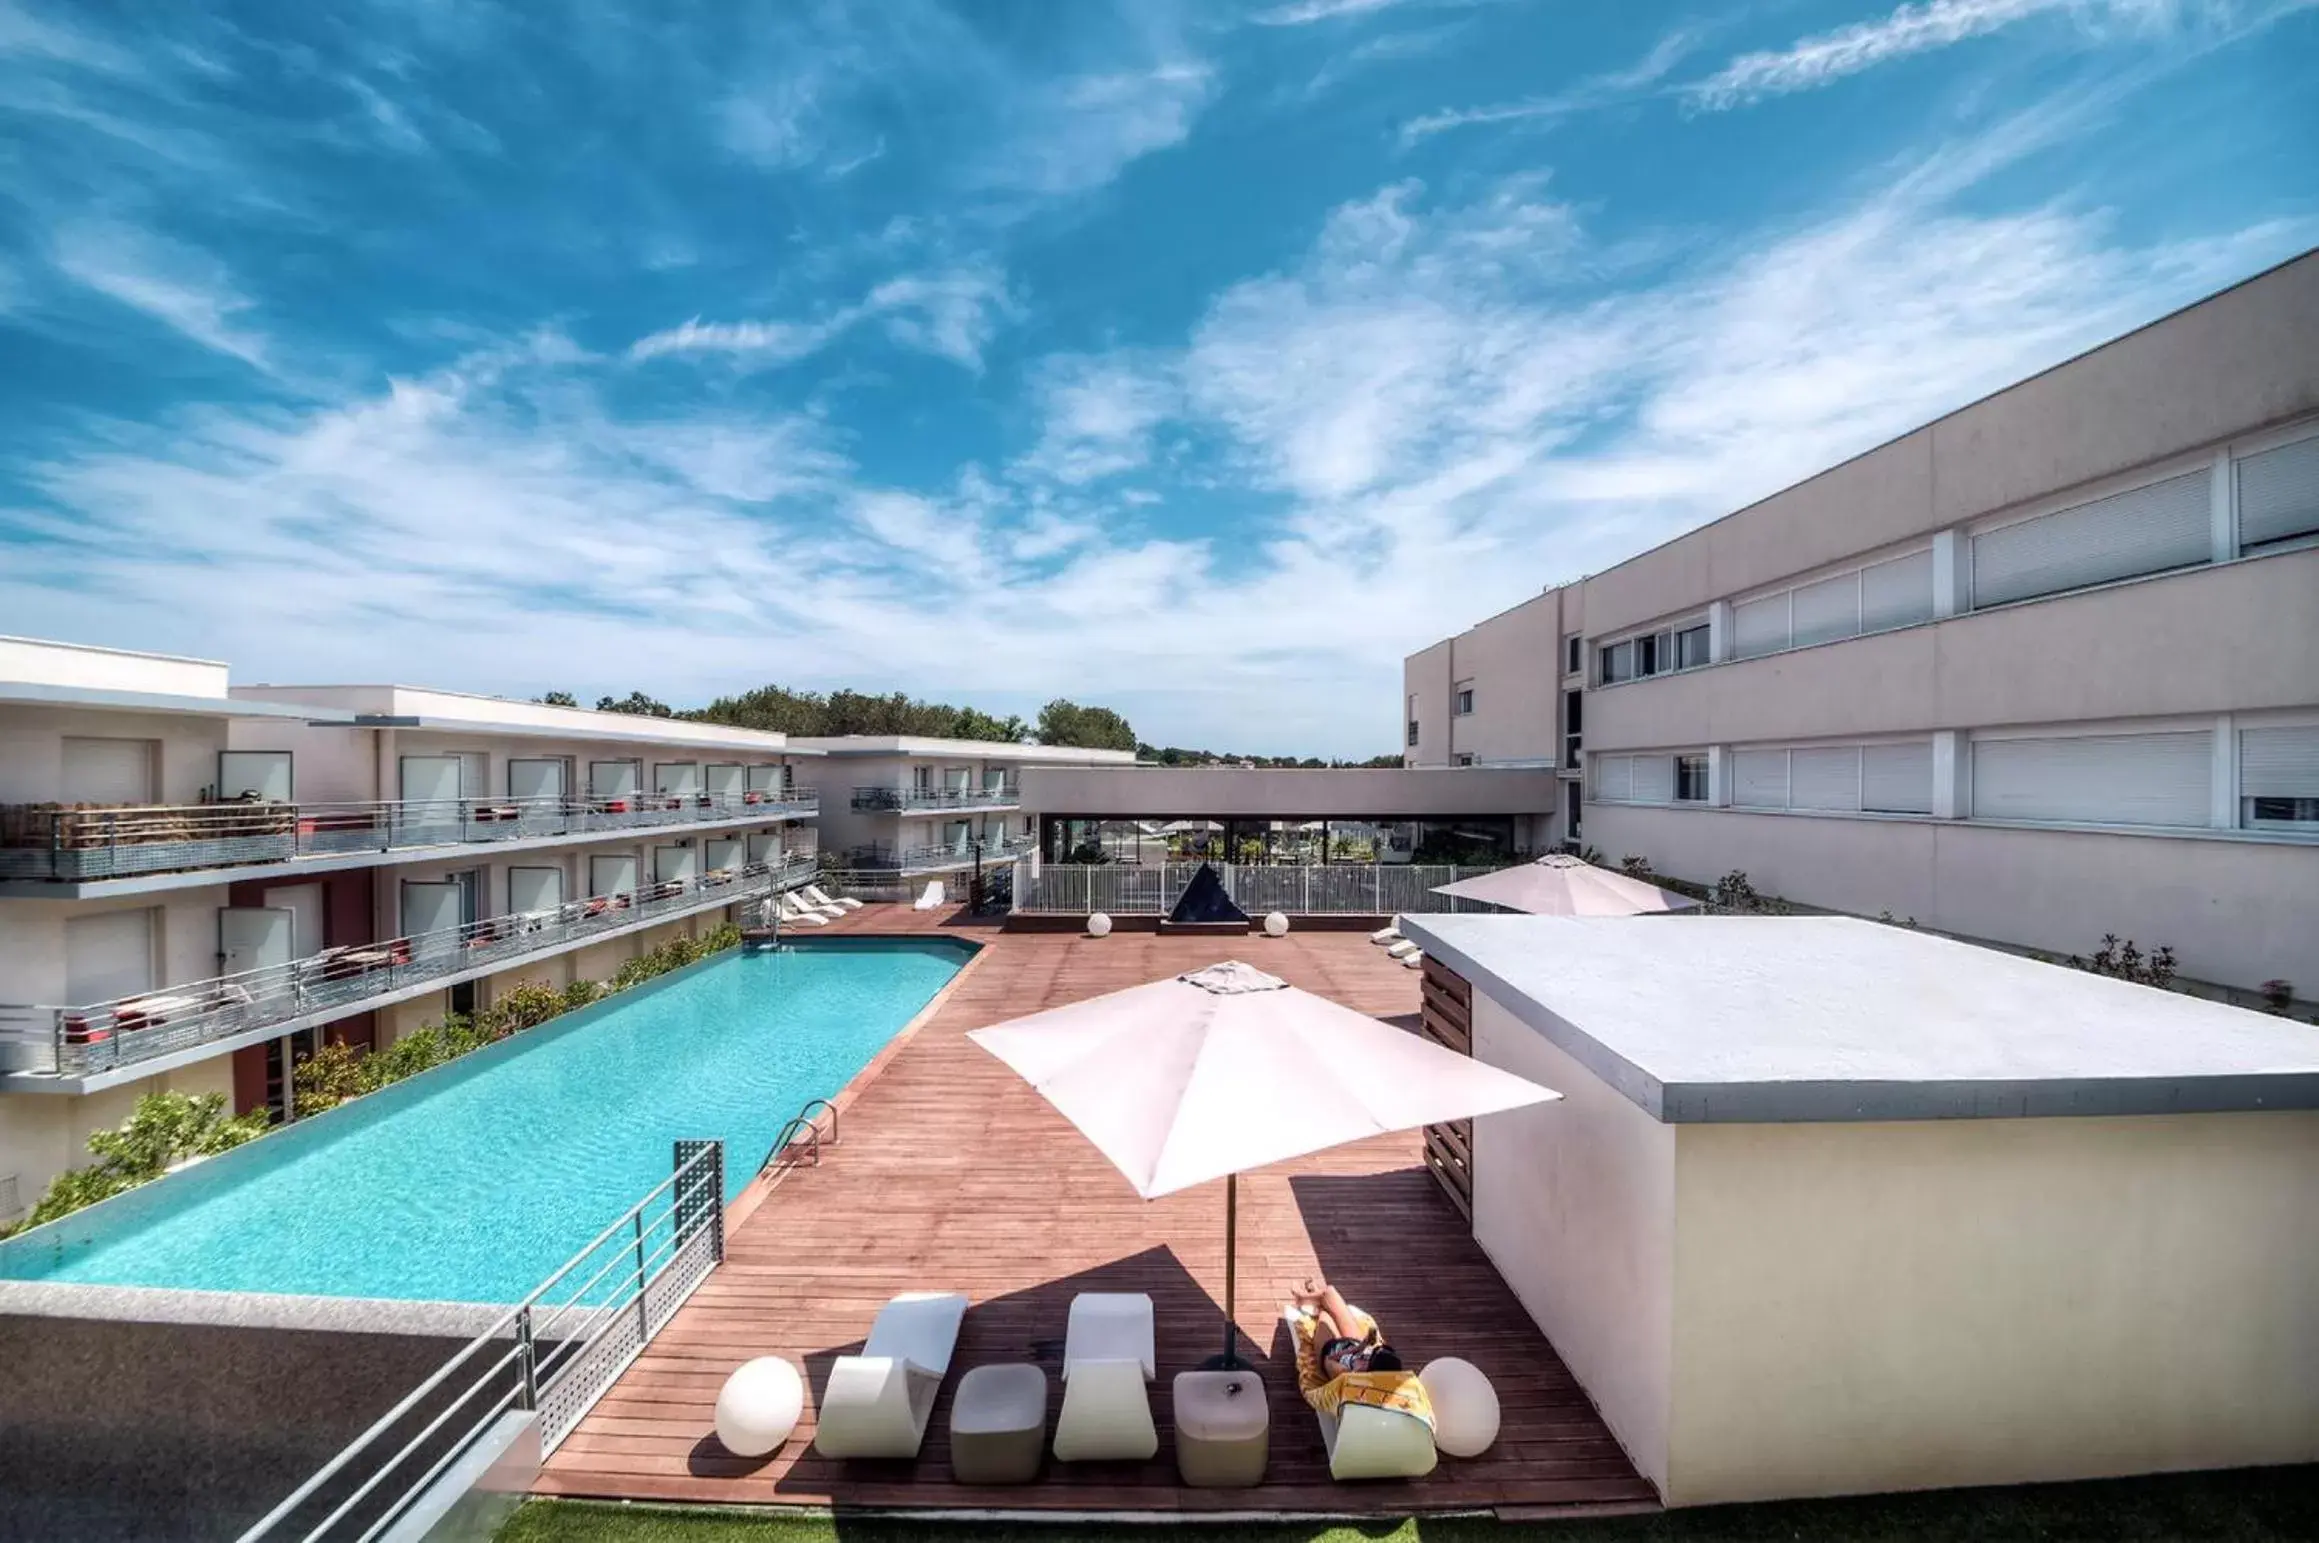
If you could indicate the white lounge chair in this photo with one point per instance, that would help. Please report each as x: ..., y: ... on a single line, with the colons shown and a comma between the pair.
x: 876, y: 1404
x: 814, y: 893
x: 796, y: 910
x: 1107, y: 1363
x: 1403, y: 949
x: 932, y: 899
x: 1365, y: 1442
x: 804, y: 898
x: 1415, y: 961
x: 1387, y: 934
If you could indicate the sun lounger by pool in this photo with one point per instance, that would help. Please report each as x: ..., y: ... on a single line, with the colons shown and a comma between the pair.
x: 814, y: 893
x: 876, y: 1404
x: 1387, y: 934
x: 1402, y: 949
x: 1365, y: 1442
x: 796, y: 910
x: 1107, y: 1363
x: 931, y: 900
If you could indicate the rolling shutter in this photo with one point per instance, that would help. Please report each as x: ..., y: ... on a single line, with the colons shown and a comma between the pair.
x: 2278, y: 494
x: 2146, y: 530
x: 1824, y: 779
x: 1759, y: 779
x: 726, y: 782
x: 678, y: 779
x: 612, y: 875
x: 108, y: 771
x: 534, y: 889
x: 535, y: 778
x: 2103, y: 779
x: 615, y: 779
x: 108, y: 956
x: 1614, y: 778
x: 1896, y: 779
x: 723, y: 855
x: 1827, y: 610
x: 1759, y: 627
x: 674, y: 864
x: 1896, y: 594
x: 2279, y: 763
x: 1654, y: 779
x: 765, y: 779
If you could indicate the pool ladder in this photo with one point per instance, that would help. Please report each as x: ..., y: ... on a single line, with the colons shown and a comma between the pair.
x: 801, y: 1124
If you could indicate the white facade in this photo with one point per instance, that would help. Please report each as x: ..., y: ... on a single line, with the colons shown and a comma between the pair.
x: 158, y: 929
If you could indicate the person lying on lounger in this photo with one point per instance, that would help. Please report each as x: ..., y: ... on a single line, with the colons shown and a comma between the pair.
x: 1342, y: 1357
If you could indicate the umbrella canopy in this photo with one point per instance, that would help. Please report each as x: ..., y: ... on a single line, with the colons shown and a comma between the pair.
x: 1228, y: 1068
x: 1559, y: 885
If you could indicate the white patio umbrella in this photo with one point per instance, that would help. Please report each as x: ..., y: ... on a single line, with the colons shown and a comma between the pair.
x: 1209, y: 1074
x: 1561, y: 885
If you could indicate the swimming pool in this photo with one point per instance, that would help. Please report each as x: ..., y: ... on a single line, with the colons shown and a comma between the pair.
x: 473, y: 1182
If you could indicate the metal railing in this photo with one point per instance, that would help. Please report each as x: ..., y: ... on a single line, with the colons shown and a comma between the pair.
x: 801, y: 1126
x: 48, y: 841
x: 1003, y: 795
x: 76, y: 1041
x: 552, y: 1355
x: 1304, y: 889
x: 940, y: 856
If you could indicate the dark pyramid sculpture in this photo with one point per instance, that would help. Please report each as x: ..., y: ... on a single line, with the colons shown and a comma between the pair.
x: 1205, y: 902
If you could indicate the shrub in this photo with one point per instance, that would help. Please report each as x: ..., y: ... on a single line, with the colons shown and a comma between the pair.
x: 1636, y: 867
x: 581, y: 993
x: 524, y: 1006
x: 327, y: 1078
x: 164, y: 1128
x: 2278, y: 996
x: 2125, y: 961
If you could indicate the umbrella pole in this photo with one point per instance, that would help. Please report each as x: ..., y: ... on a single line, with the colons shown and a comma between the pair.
x: 1229, y: 1361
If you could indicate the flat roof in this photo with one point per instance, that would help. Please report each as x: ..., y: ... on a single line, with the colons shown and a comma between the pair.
x: 34, y: 693
x: 624, y: 727
x: 1777, y: 1019
x: 992, y: 749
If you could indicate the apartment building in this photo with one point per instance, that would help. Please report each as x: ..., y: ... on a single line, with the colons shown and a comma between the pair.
x: 201, y: 883
x: 2044, y: 669
x: 919, y: 807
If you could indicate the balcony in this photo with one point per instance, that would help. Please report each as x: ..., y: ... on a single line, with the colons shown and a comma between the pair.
x: 939, y: 858
x: 85, y: 845
x: 1000, y: 795
x: 130, y: 1034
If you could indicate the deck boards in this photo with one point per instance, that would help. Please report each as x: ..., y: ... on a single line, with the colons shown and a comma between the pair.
x: 951, y: 1174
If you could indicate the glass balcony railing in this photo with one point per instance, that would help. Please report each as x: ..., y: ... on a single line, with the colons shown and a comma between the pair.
x: 102, y: 1036
x: 69, y: 844
x: 1001, y: 795
x: 946, y: 855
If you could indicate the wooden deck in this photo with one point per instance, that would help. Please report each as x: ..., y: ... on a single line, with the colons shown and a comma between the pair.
x: 952, y: 1174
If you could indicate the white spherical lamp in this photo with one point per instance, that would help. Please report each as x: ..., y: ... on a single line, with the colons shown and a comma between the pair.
x: 759, y: 1406
x: 1465, y: 1406
x: 1276, y: 925
x: 1099, y: 925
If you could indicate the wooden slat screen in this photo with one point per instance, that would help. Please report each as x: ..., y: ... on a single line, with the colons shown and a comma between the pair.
x: 1447, y: 1020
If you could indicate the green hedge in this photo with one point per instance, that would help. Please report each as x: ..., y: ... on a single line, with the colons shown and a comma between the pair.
x: 163, y: 1129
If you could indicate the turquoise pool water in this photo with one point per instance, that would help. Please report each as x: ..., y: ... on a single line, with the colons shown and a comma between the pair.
x: 472, y: 1183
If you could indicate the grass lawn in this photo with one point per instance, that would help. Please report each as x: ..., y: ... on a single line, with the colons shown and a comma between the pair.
x: 2249, y: 1506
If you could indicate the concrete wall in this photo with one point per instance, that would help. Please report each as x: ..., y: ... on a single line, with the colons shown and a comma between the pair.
x: 108, y: 669
x: 1574, y: 1202
x: 1511, y: 659
x: 1257, y: 794
x: 1902, y: 1306
x: 2236, y: 912
x: 1425, y: 685
x: 43, y: 1134
x: 32, y: 750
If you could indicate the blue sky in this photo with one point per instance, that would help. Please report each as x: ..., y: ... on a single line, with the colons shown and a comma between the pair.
x: 1201, y: 359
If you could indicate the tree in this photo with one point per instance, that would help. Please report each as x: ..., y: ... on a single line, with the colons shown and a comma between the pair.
x: 1064, y: 722
x: 558, y: 699
x: 637, y: 704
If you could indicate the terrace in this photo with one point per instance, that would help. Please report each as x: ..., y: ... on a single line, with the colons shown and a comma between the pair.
x: 84, y: 1048
x: 54, y: 844
x: 953, y: 1174
x: 917, y: 800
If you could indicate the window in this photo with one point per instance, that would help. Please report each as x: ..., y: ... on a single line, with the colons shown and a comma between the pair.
x: 1413, y: 731
x: 1690, y: 779
x: 1647, y: 650
x: 1618, y: 662
x: 2096, y: 779
x: 1836, y: 779
x: 1614, y: 778
x: 2143, y: 530
x: 1462, y: 758
x: 2278, y: 774
x: 2278, y: 496
x: 1465, y: 699
x: 1877, y: 598
x: 1691, y: 649
x: 1759, y: 627
x: 1572, y: 738
x: 1573, y: 654
x: 1654, y: 653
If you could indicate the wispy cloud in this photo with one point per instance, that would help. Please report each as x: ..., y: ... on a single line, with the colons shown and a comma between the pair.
x: 1077, y: 133
x: 1910, y: 29
x: 183, y: 289
x: 1605, y: 90
x: 1303, y: 13
x: 951, y: 314
x: 1100, y: 414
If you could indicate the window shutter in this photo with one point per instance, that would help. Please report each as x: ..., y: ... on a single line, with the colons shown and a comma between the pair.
x: 1759, y: 779
x: 2279, y: 763
x: 1897, y: 593
x: 2147, y: 530
x: 1614, y: 778
x: 2104, y: 779
x: 1654, y: 779
x: 1759, y: 627
x: 2278, y: 494
x: 1897, y: 779
x: 1824, y: 779
x: 1827, y: 610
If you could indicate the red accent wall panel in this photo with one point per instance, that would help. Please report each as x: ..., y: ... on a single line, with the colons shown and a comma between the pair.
x: 249, y: 1078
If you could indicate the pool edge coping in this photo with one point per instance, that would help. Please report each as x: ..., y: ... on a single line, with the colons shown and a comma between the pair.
x: 761, y: 1187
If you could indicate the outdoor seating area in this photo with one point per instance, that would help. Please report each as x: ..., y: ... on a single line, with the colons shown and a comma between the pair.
x: 969, y: 1280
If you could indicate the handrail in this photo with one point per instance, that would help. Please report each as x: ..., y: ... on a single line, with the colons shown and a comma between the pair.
x: 124, y: 1030
x: 81, y: 843
x: 802, y: 1120
x: 695, y: 1191
x: 946, y: 854
x: 998, y: 795
x: 1308, y: 889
